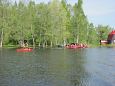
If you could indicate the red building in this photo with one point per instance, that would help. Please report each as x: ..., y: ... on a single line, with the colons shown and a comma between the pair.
x: 111, y: 37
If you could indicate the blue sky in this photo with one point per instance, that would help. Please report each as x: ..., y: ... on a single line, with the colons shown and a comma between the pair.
x: 97, y: 11
x: 100, y: 11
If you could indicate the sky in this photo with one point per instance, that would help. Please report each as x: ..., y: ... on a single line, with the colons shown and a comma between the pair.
x: 100, y: 11
x: 97, y: 11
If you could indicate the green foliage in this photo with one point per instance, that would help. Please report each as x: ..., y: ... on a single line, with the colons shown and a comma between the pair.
x: 55, y: 23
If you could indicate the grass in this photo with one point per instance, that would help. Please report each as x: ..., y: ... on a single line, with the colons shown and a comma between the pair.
x: 10, y: 46
x: 13, y: 46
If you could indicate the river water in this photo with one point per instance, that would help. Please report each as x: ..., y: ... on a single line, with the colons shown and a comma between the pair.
x: 58, y: 67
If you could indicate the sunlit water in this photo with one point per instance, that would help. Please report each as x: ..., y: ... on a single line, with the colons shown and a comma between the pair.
x: 58, y: 67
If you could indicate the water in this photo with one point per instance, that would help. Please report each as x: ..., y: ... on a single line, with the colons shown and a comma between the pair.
x: 58, y: 67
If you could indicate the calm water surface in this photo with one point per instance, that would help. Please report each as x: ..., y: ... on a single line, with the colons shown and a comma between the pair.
x: 58, y: 67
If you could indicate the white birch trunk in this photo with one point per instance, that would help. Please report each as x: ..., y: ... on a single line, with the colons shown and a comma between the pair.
x: 1, y: 41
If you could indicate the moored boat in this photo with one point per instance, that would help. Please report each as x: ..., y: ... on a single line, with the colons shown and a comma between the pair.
x: 24, y: 50
x: 75, y: 46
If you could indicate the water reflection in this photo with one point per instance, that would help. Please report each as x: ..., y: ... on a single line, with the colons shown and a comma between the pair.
x: 75, y: 62
x: 57, y: 67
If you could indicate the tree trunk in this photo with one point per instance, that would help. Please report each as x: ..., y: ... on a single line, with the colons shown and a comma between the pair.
x: 46, y: 44
x: 51, y: 44
x: 43, y: 44
x: 64, y: 42
x: 33, y: 39
x: 39, y: 44
x: 1, y: 41
x: 77, y: 39
x: 87, y: 36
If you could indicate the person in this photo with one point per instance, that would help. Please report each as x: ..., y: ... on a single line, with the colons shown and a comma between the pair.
x: 23, y: 44
x: 26, y: 45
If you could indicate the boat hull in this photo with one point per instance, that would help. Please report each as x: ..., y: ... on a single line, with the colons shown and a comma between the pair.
x: 76, y: 46
x: 24, y: 50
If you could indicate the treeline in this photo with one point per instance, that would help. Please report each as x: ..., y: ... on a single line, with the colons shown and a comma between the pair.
x: 54, y: 23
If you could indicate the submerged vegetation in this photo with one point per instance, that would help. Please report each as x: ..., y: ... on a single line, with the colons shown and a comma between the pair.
x: 54, y: 23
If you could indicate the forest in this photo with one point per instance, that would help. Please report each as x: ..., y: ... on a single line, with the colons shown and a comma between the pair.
x: 47, y: 24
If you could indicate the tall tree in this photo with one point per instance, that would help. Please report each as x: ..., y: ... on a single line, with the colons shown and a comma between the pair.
x: 42, y: 24
x: 67, y: 21
x: 79, y: 23
x: 55, y: 23
x: 31, y: 14
x: 4, y: 4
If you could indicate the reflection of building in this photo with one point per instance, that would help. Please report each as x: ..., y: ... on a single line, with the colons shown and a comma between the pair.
x: 111, y: 37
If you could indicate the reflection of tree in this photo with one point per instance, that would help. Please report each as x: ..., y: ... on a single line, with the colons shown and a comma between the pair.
x: 67, y: 67
x: 55, y: 67
x: 76, y: 68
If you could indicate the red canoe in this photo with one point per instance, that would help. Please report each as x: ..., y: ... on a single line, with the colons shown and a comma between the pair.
x: 24, y: 50
x: 71, y: 46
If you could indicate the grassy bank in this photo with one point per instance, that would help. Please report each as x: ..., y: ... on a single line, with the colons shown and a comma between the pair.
x: 14, y: 46
x: 90, y: 46
x: 10, y: 46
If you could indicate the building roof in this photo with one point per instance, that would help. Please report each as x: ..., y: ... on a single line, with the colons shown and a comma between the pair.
x: 111, y: 34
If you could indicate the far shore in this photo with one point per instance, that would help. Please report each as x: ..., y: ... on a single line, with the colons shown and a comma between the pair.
x: 90, y: 46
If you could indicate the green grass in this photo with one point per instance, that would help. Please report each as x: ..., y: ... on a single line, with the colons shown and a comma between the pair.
x: 10, y: 46
x: 14, y: 46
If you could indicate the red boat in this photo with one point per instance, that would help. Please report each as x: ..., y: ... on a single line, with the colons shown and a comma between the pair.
x: 74, y: 46
x: 24, y: 50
